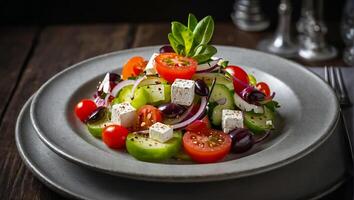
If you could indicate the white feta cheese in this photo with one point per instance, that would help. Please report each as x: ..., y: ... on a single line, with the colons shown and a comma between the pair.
x: 150, y: 67
x: 123, y: 114
x: 182, y: 92
x: 231, y: 119
x: 160, y: 132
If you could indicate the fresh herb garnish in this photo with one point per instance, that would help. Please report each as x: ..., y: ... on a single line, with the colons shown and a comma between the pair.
x: 272, y: 105
x: 192, y: 40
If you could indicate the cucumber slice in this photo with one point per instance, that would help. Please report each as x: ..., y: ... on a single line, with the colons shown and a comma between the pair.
x: 152, y: 81
x: 97, y: 127
x: 220, y: 92
x: 144, y: 148
x: 141, y: 97
x: 244, y: 106
x: 209, y: 77
x: 259, y: 123
x: 159, y: 94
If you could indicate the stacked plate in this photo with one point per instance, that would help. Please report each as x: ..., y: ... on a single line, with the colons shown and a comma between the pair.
x: 305, y: 158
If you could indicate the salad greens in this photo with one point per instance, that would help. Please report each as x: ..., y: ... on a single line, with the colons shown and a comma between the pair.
x: 192, y: 40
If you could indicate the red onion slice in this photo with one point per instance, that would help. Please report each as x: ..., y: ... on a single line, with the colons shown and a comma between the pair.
x: 209, y: 66
x: 137, y: 82
x: 121, y: 85
x: 203, y: 104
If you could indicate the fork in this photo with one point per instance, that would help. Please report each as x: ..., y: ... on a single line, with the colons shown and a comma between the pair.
x: 334, y: 78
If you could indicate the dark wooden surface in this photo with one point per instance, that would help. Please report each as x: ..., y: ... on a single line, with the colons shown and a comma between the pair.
x: 31, y: 55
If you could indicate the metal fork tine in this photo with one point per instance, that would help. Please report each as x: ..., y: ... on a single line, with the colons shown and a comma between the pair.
x: 342, y: 91
x: 332, y: 81
x: 326, y: 75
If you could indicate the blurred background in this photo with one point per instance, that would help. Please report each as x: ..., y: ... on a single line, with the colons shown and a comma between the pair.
x: 42, y: 12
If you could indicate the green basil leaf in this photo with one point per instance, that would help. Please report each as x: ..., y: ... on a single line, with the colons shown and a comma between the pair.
x: 177, y: 29
x: 204, y: 53
x: 177, y: 47
x: 204, y: 30
x: 187, y: 36
x: 192, y: 22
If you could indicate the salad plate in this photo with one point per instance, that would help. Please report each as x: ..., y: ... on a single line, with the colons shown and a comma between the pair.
x: 304, y: 180
x: 309, y: 114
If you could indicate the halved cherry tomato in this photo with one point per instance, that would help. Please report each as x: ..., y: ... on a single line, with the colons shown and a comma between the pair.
x: 147, y: 116
x: 207, y: 147
x: 263, y: 87
x: 240, y: 77
x: 114, y: 136
x: 133, y: 67
x: 84, y: 109
x: 171, y: 66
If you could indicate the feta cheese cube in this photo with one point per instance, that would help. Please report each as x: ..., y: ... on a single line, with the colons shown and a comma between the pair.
x: 150, y: 67
x: 231, y: 119
x: 123, y: 114
x: 182, y: 92
x: 160, y: 132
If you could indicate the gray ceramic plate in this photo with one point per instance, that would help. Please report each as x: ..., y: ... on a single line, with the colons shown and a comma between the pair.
x: 75, y: 181
x: 308, y: 114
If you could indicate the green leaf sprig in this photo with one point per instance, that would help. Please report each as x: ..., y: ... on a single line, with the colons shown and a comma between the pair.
x: 192, y: 40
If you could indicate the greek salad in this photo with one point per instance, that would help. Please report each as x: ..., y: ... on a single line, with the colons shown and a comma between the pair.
x: 182, y: 103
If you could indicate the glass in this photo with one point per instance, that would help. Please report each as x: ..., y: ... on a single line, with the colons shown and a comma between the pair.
x: 348, y: 32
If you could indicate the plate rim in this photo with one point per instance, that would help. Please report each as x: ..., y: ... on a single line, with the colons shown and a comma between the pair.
x: 160, y: 178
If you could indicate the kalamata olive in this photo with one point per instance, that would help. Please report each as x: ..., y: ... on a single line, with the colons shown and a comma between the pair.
x: 171, y: 110
x: 166, y: 49
x: 242, y: 140
x: 114, y: 77
x: 201, y: 88
x: 256, y: 96
x: 96, y: 115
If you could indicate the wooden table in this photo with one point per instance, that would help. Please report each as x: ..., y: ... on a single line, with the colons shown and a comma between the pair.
x: 29, y: 56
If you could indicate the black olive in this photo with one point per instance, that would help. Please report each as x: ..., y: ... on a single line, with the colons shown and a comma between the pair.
x: 172, y: 110
x: 96, y: 115
x: 201, y: 88
x: 242, y: 140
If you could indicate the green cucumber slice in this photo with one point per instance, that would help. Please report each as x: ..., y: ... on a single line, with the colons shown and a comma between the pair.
x: 257, y: 123
x: 220, y: 92
x: 152, y: 81
x: 144, y: 148
x: 209, y: 77
x: 97, y: 127
x: 141, y: 97
x: 159, y: 94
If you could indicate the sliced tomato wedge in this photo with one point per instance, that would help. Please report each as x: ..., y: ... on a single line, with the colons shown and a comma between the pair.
x: 133, y: 67
x: 206, y: 147
x: 263, y: 87
x: 147, y: 116
x: 171, y: 66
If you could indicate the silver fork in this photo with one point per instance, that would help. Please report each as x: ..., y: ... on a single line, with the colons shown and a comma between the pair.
x: 334, y: 78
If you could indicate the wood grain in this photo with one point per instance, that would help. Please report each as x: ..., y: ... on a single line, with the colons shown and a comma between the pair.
x: 15, y: 46
x: 58, y: 47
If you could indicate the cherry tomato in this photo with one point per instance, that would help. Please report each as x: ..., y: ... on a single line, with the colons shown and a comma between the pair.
x: 171, y: 66
x: 133, y: 67
x: 207, y: 147
x: 147, y: 116
x: 84, y: 109
x: 114, y: 136
x: 240, y: 77
x: 263, y: 87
